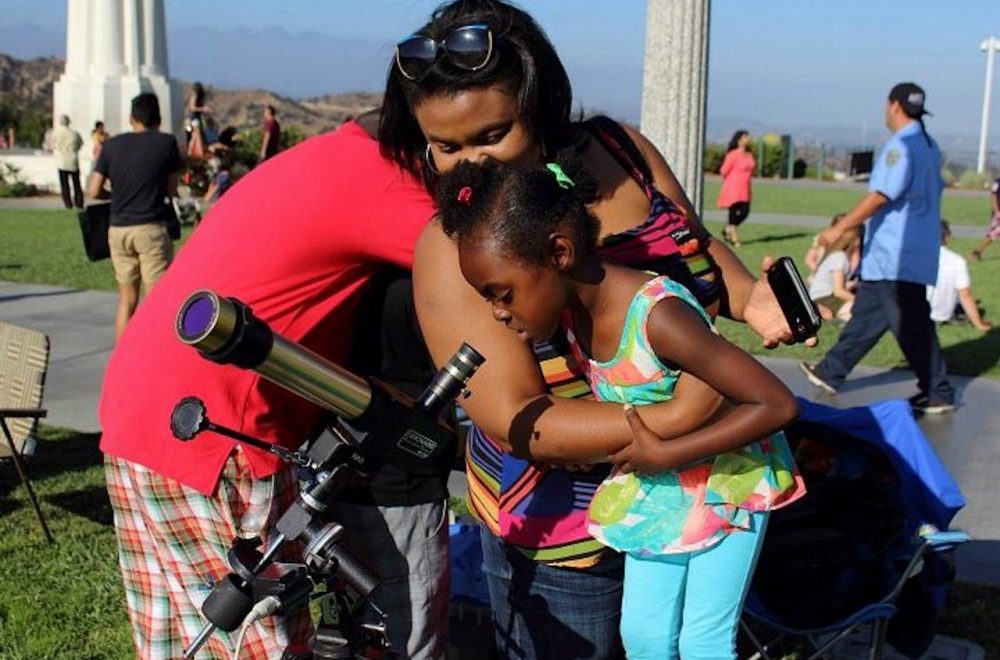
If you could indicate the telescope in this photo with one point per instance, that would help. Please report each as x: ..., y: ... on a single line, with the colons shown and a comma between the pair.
x: 409, y: 433
x: 225, y: 331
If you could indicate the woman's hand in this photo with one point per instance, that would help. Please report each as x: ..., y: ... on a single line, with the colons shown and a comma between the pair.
x: 763, y: 313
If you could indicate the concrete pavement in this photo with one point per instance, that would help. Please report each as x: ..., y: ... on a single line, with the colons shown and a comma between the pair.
x: 79, y: 324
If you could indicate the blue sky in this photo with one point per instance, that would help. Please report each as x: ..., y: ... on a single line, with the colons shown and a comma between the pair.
x: 774, y: 64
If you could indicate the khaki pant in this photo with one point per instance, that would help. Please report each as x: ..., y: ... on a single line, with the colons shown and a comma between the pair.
x: 140, y: 253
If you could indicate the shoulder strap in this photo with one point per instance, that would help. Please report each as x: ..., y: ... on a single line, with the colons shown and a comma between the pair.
x: 616, y: 140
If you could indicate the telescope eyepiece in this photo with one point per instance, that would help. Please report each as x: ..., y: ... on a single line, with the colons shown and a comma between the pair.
x: 450, y: 380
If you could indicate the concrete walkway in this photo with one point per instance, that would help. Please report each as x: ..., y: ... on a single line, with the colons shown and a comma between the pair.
x: 79, y: 324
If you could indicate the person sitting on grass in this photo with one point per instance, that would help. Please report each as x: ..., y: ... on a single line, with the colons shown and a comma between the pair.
x: 953, y: 289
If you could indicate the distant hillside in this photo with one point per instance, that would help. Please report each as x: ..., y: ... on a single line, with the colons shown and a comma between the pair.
x: 27, y: 86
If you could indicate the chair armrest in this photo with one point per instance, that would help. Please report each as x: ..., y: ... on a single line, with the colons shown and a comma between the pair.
x: 10, y: 413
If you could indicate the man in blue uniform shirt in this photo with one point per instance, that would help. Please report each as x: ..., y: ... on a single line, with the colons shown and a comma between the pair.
x: 899, y: 258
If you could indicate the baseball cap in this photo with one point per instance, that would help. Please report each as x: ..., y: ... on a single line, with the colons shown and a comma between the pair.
x: 911, y: 99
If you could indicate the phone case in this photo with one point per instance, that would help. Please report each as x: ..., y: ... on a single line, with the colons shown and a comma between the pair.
x: 793, y: 297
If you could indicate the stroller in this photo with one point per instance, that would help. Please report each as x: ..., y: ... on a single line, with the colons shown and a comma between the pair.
x: 868, y: 544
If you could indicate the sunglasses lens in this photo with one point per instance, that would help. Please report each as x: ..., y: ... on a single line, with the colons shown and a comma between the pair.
x: 469, y: 47
x: 415, y: 55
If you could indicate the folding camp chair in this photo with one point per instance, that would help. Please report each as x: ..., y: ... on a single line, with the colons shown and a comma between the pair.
x: 878, y: 614
x: 849, y: 553
x: 24, y: 360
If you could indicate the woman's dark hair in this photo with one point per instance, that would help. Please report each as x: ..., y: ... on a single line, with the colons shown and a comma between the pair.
x: 520, y: 205
x: 523, y: 62
x: 734, y: 141
x: 199, y: 93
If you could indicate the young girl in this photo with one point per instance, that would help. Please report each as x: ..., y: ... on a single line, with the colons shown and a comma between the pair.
x: 527, y: 243
x: 830, y: 285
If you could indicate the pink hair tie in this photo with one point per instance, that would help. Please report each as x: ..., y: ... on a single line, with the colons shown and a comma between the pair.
x: 465, y: 195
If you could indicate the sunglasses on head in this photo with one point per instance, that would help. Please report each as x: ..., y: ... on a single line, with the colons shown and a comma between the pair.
x: 468, y: 47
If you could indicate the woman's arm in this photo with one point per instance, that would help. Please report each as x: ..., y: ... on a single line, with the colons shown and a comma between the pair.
x: 744, y: 298
x: 509, y: 400
x: 727, y: 164
x: 761, y: 403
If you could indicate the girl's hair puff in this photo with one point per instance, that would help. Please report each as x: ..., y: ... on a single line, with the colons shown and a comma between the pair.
x: 519, y: 205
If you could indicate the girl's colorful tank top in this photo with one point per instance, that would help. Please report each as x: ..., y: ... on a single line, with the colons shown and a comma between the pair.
x: 540, y: 509
x: 679, y: 510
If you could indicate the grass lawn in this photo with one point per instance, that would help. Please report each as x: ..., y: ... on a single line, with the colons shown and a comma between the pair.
x: 65, y: 601
x: 46, y: 247
x: 968, y: 352
x: 771, y: 197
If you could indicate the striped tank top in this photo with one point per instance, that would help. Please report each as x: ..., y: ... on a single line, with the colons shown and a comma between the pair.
x: 539, y: 509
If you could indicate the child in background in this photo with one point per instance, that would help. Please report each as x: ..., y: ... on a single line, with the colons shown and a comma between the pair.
x: 831, y: 283
x: 527, y: 243
x: 815, y: 253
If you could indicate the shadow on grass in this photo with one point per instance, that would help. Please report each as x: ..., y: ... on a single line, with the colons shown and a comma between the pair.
x: 977, y: 356
x: 40, y: 294
x: 777, y: 237
x: 62, y: 450
x: 91, y: 503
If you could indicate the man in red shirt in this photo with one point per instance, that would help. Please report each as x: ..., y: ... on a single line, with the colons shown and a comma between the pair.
x: 298, y: 240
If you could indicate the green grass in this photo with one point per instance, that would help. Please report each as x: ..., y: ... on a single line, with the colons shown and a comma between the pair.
x: 65, y: 601
x: 968, y: 352
x: 46, y: 247
x: 770, y: 197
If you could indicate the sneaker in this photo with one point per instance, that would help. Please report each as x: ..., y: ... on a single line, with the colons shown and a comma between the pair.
x: 923, y: 403
x: 809, y: 369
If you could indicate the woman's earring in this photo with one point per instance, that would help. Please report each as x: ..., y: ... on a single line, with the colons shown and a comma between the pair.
x: 429, y: 159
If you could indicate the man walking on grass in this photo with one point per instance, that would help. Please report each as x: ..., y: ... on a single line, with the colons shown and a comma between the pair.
x: 142, y: 166
x: 902, y: 217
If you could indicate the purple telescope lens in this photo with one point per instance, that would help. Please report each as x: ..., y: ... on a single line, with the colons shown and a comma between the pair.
x: 197, y: 317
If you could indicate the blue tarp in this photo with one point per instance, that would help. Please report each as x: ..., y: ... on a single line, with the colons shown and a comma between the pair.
x: 932, y: 495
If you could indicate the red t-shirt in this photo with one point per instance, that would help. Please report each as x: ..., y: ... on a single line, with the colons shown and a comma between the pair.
x: 297, y: 240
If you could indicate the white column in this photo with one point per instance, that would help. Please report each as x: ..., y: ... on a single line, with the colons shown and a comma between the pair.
x: 991, y: 45
x: 132, y: 36
x: 106, y: 27
x: 78, y: 51
x: 675, y: 87
x: 154, y: 59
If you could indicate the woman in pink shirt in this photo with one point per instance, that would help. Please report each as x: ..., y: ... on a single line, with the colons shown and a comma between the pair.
x: 736, y: 170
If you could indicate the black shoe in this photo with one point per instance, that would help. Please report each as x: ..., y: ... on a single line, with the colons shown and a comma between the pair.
x: 928, y: 405
x: 809, y: 369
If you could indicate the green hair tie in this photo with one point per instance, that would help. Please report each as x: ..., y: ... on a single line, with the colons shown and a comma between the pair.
x: 564, y: 181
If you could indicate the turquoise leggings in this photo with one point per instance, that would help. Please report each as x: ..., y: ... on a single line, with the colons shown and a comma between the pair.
x: 688, y: 605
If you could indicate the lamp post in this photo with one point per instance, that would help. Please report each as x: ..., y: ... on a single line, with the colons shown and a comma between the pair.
x: 990, y: 45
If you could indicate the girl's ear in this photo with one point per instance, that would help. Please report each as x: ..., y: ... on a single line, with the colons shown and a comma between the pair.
x: 562, y: 251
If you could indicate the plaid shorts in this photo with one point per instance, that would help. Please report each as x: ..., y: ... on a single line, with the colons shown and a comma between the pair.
x: 172, y: 545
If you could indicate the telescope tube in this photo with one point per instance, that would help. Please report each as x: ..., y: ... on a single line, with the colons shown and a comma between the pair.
x: 225, y: 330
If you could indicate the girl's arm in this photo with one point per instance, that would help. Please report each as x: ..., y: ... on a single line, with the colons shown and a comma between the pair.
x: 761, y: 403
x: 744, y: 298
x: 509, y: 399
x: 840, y: 289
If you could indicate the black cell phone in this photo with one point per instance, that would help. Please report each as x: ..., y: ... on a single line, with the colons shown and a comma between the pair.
x: 793, y: 297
